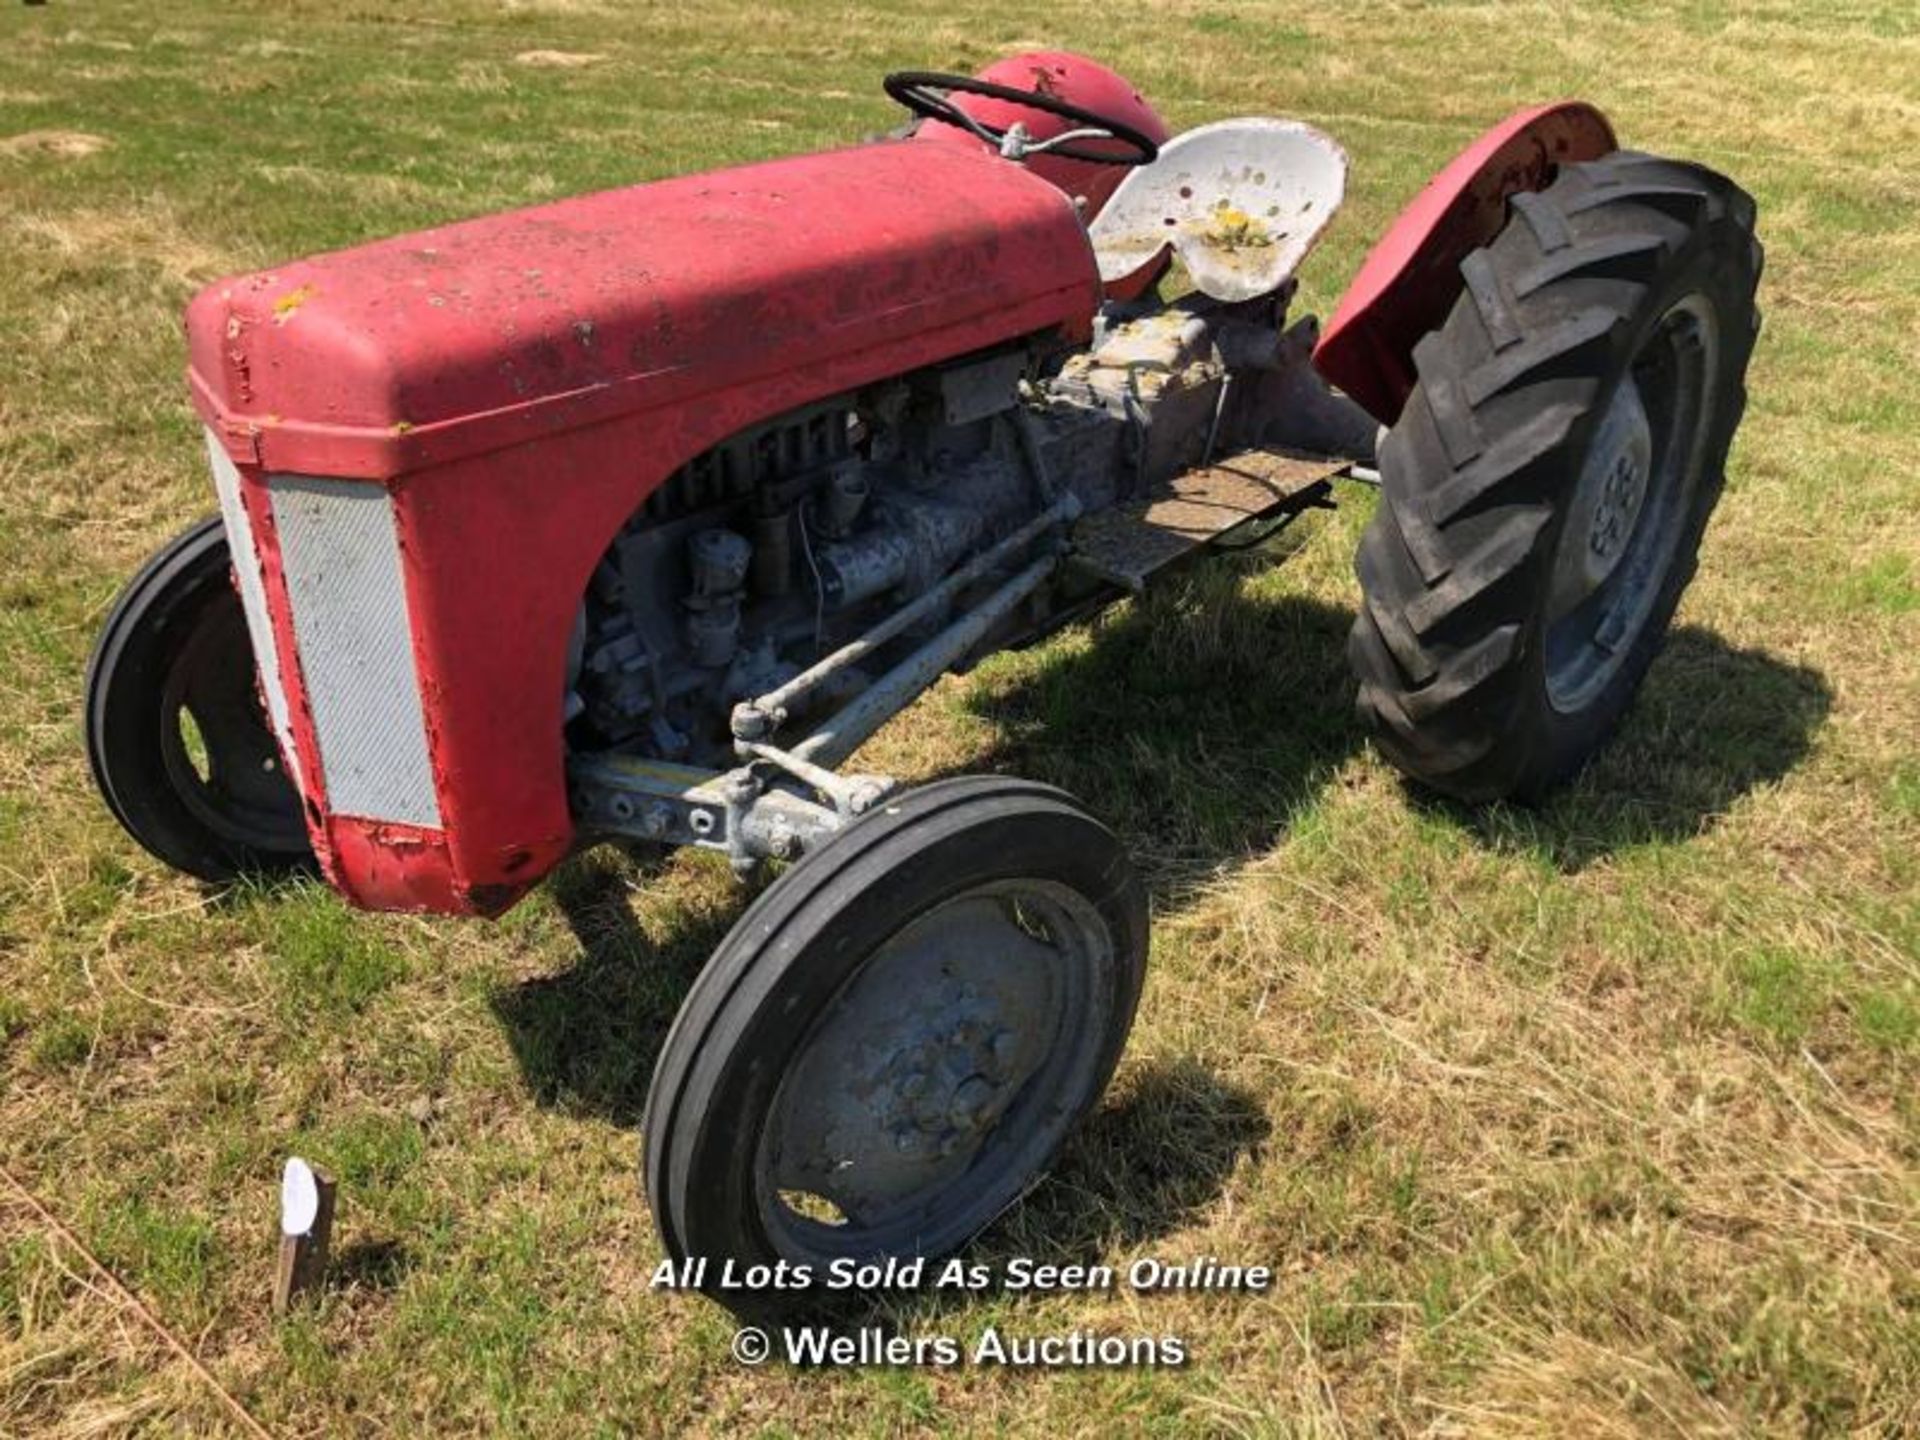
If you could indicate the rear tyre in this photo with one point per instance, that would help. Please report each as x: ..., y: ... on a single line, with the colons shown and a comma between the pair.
x: 1544, y: 491
x: 890, y: 1046
x: 179, y: 746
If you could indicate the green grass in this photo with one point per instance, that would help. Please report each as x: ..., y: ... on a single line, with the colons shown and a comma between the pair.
x: 1600, y: 1118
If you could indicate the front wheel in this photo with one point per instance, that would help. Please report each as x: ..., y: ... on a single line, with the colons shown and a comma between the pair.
x: 1545, y: 489
x: 890, y: 1046
x: 178, y: 743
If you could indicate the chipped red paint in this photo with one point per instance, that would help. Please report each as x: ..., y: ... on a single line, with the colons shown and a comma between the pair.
x: 521, y: 382
x: 273, y: 584
x: 1066, y: 76
x: 380, y: 865
x: 1412, y: 277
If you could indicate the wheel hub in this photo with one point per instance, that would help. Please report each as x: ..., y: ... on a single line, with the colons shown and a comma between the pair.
x: 948, y: 1078
x: 1607, y: 499
x: 1629, y: 507
x: 1619, y: 505
x: 921, y: 1081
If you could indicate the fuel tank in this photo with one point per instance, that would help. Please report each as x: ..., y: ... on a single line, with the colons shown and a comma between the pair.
x: 424, y: 445
x: 1076, y: 79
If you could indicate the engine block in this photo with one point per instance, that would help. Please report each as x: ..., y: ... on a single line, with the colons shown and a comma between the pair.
x: 776, y: 546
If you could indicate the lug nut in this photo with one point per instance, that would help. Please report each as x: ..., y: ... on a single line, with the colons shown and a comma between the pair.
x: 1002, y: 1048
x: 970, y: 1102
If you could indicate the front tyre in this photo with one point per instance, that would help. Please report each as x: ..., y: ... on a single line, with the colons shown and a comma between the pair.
x: 179, y: 746
x: 890, y: 1046
x: 1544, y: 491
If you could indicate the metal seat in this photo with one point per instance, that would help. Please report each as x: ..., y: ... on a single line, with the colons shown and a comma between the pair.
x: 1241, y: 202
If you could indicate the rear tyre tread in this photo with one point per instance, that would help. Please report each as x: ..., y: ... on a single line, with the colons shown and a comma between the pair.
x: 1476, y: 472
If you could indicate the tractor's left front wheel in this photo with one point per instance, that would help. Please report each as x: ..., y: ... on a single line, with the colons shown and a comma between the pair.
x: 890, y: 1046
x: 179, y: 746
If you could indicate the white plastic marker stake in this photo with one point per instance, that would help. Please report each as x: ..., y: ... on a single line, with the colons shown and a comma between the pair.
x: 306, y: 1228
x: 299, y: 1199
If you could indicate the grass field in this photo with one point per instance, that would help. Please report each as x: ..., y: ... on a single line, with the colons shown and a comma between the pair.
x: 1599, y: 1119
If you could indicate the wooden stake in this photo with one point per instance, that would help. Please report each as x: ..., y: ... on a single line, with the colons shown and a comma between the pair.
x: 303, y: 1256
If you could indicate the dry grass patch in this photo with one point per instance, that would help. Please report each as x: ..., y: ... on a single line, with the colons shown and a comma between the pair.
x: 557, y: 59
x: 147, y: 234
x: 63, y: 144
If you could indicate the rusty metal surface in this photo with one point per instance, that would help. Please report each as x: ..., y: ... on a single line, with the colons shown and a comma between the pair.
x: 1128, y: 544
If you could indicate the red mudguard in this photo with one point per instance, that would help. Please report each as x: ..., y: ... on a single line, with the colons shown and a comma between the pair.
x: 1412, y: 277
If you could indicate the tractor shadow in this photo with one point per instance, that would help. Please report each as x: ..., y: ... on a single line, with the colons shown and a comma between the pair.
x: 1712, y: 723
x: 1150, y: 1161
x: 1144, y: 1165
x: 586, y: 1038
x: 1200, y: 721
x: 1197, y: 722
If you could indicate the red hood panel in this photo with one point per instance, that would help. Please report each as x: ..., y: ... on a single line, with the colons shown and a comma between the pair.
x: 374, y: 361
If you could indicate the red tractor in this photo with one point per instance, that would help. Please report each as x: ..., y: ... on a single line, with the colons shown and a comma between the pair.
x: 632, y: 516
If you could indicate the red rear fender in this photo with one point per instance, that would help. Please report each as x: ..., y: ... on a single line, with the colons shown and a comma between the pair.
x: 1412, y: 277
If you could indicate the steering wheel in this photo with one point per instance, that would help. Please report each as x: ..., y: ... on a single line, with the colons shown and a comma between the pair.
x: 925, y: 93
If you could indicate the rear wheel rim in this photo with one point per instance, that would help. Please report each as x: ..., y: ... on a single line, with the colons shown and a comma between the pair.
x: 942, y: 1077
x: 1631, y: 506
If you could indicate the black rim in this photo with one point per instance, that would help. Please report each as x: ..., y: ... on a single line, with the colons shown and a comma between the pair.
x: 217, y: 749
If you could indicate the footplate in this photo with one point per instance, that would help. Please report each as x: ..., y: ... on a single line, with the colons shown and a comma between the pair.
x: 1127, y: 544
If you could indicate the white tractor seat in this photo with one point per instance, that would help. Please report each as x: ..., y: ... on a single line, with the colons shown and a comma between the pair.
x: 1241, y: 202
